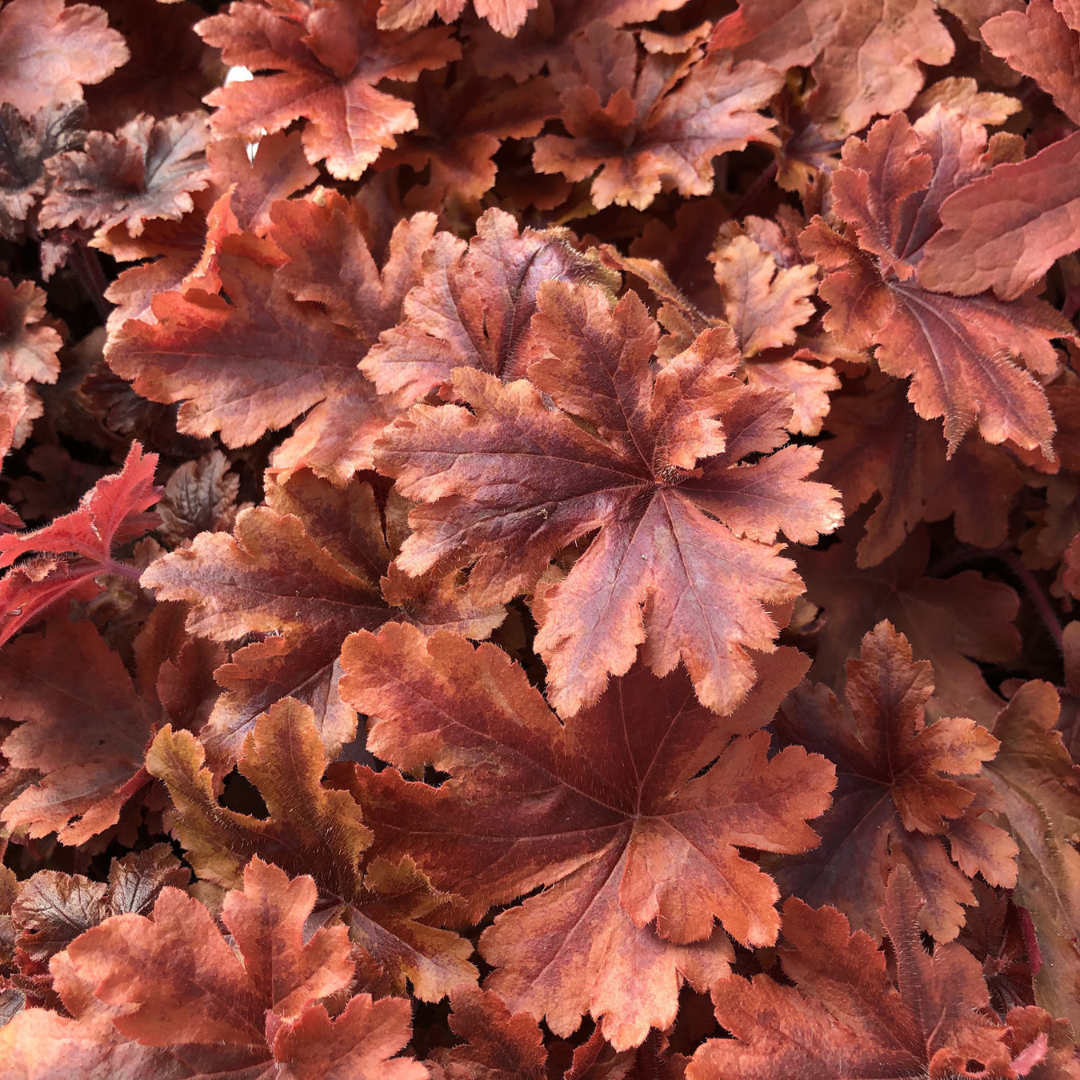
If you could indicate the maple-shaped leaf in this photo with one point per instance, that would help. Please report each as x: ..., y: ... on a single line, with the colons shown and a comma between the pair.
x: 30, y: 142
x: 173, y: 980
x: 463, y: 121
x: 952, y: 621
x: 695, y: 545
x: 319, y: 830
x: 326, y: 59
x: 76, y: 548
x: 654, y: 123
x: 1042, y: 42
x: 52, y: 909
x: 638, y: 852
x: 895, y: 797
x: 49, y: 51
x: 865, y: 57
x: 505, y: 17
x: 474, y: 304
x: 1039, y: 788
x: 29, y: 340
x: 991, y: 240
x: 960, y: 352
x: 845, y: 1017
x: 81, y: 725
x: 148, y: 169
x: 305, y: 570
x: 254, y: 362
x: 200, y: 496
x: 881, y: 446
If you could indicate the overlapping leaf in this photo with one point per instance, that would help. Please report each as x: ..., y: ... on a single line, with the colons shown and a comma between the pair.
x: 302, y: 571
x: 695, y: 545
x: 895, y: 798
x: 264, y: 356
x: 961, y: 353
x: 314, y: 828
x: 639, y: 853
x: 846, y: 1018
x: 173, y: 981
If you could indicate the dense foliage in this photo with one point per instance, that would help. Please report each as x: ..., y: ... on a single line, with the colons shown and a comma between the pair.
x: 540, y: 539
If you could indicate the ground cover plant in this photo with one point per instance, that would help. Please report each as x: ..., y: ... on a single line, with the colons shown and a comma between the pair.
x: 540, y: 539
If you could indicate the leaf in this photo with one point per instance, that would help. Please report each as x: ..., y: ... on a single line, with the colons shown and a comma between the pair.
x: 845, y: 1016
x: 764, y: 304
x: 621, y: 840
x: 29, y: 340
x: 661, y: 129
x: 959, y: 352
x: 317, y: 828
x: 463, y: 120
x: 31, y: 141
x: 1039, y: 788
x: 1041, y: 43
x: 950, y: 621
x: 200, y: 496
x: 77, y: 547
x: 325, y: 62
x: 305, y: 568
x: 895, y: 799
x: 881, y: 446
x: 990, y: 239
x: 473, y: 306
x: 703, y: 579
x: 48, y: 52
x: 173, y: 981
x: 865, y: 56
x: 52, y: 909
x: 255, y: 362
x: 148, y: 169
x: 81, y: 725
x: 506, y: 18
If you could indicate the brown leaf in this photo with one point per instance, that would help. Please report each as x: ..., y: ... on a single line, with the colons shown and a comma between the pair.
x: 894, y: 797
x: 622, y: 838
x: 313, y: 826
x: 325, y: 63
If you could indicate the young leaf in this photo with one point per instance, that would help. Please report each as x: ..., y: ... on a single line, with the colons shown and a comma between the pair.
x: 77, y: 547
x: 895, y: 796
x: 639, y: 853
x: 703, y: 579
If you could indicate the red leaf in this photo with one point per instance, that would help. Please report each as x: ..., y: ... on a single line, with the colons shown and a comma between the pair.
x: 316, y: 829
x: 635, y: 480
x: 147, y: 170
x: 80, y: 544
x: 623, y: 837
x: 894, y: 795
